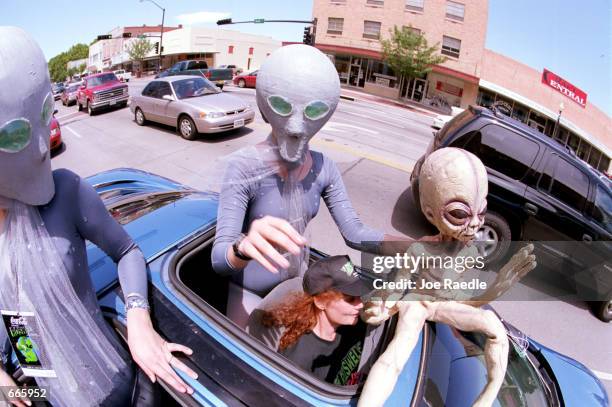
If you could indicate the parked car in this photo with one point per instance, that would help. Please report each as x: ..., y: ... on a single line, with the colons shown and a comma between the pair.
x: 235, y: 70
x: 219, y: 77
x: 55, y: 134
x: 538, y: 190
x: 57, y: 90
x: 123, y: 75
x: 69, y: 95
x: 174, y: 226
x: 101, y: 90
x: 192, y: 104
x: 441, y: 119
x: 247, y: 80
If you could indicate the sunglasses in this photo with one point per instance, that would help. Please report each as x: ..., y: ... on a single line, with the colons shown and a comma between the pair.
x: 16, y: 134
x: 313, y: 110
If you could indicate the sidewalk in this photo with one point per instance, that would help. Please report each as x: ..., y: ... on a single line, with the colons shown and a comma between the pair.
x: 352, y: 94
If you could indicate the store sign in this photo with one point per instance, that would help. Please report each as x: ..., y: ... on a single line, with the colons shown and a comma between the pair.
x: 448, y: 88
x: 564, y: 87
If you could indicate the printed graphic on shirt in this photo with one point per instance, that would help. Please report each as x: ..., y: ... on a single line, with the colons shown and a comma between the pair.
x: 348, y: 366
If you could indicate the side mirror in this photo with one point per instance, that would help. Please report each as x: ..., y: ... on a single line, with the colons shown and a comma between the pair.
x: 168, y: 97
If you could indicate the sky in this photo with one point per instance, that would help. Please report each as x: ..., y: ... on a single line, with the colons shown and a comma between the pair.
x: 570, y: 38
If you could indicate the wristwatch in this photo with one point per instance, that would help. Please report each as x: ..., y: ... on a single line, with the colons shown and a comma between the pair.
x: 235, y: 248
x: 135, y: 300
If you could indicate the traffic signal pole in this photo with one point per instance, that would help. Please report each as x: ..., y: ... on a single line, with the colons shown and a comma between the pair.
x: 309, y: 32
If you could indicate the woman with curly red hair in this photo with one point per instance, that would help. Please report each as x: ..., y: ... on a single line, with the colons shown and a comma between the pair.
x: 319, y: 333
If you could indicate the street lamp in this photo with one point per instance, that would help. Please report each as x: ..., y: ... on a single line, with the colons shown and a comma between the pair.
x: 556, y: 129
x: 161, y: 34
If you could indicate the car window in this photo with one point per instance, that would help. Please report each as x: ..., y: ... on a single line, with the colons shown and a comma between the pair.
x: 150, y: 89
x: 163, y: 89
x: 101, y: 79
x: 503, y: 150
x: 192, y: 87
x: 565, y: 182
x: 602, y: 208
x: 197, y: 65
x: 133, y: 210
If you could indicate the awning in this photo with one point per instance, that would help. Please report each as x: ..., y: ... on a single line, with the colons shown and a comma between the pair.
x: 546, y: 112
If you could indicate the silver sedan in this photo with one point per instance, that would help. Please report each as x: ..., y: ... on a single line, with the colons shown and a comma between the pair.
x: 192, y: 104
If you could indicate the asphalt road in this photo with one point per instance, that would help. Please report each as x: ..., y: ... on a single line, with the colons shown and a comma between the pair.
x: 375, y: 147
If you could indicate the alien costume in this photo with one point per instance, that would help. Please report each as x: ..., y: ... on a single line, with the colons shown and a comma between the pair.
x: 43, y: 261
x: 453, y: 190
x: 297, y: 92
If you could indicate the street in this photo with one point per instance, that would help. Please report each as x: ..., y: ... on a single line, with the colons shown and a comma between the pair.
x: 375, y: 147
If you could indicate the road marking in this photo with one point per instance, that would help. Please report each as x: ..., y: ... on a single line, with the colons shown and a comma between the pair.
x: 602, y: 375
x: 69, y: 114
x: 353, y: 127
x: 72, y: 131
x: 371, y: 157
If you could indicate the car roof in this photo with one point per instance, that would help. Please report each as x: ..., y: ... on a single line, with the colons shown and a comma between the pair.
x: 174, y: 78
x: 534, y: 133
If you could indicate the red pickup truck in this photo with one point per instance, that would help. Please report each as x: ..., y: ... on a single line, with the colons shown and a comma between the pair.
x: 101, y: 90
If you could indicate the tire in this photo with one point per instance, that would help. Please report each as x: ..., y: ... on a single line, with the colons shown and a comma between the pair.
x: 186, y: 128
x: 221, y: 87
x: 241, y: 83
x: 497, y: 234
x: 79, y: 107
x: 90, y: 110
x: 603, y: 310
x: 139, y: 117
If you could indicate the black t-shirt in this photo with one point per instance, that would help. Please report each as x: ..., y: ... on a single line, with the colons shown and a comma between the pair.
x: 333, y: 361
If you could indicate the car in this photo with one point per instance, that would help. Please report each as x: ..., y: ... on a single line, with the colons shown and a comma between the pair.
x: 538, y: 190
x: 441, y: 119
x: 69, y: 95
x: 55, y: 134
x: 174, y: 226
x: 190, y: 103
x: 100, y: 91
x: 57, y: 90
x: 247, y: 80
x: 235, y: 70
x: 123, y: 75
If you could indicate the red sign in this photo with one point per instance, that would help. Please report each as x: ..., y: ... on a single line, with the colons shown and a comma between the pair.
x: 564, y: 87
x: 448, y: 88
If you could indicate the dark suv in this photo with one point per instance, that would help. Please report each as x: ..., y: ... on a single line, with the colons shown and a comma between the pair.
x: 538, y: 189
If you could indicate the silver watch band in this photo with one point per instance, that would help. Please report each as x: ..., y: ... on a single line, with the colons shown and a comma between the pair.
x: 135, y: 300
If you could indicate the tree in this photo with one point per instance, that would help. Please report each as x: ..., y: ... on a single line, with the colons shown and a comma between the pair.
x: 58, y: 64
x: 138, y: 50
x: 408, y: 53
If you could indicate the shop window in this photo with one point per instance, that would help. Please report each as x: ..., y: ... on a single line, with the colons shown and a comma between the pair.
x: 375, y: 2
x: 230, y: 49
x: 335, y: 25
x: 338, y: 1
x: 562, y: 135
x: 573, y: 142
x: 415, y: 5
x: 342, y: 64
x: 250, y: 50
x: 455, y: 11
x: 536, y: 121
x: 371, y: 29
x: 520, y: 113
x: 604, y: 163
x: 451, y: 46
x: 503, y: 150
x: 569, y: 184
x: 594, y: 158
x: 381, y: 74
x: 584, y: 150
x: 485, y: 98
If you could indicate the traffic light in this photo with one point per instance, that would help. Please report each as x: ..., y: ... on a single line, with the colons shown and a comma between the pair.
x: 224, y: 21
x: 127, y: 35
x: 157, y: 47
x: 307, y: 36
x: 104, y: 37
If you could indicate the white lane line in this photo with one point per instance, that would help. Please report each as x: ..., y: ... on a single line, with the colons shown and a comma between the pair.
x: 72, y: 131
x: 602, y: 375
x: 66, y: 115
x: 334, y: 123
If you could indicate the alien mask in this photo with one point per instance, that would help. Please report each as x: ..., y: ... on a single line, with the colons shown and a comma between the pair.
x: 297, y: 91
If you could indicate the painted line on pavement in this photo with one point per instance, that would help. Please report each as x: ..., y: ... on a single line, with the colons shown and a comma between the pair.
x: 69, y: 114
x: 371, y: 157
x: 353, y: 127
x: 73, y: 132
x: 602, y: 375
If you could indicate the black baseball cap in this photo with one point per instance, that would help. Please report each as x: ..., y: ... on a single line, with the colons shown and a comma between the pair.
x: 335, y: 273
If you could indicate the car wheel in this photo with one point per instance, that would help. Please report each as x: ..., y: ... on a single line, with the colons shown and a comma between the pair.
x: 603, y: 310
x: 187, y: 128
x: 79, y: 107
x: 241, y: 83
x: 221, y: 87
x: 90, y: 110
x: 495, y: 236
x: 139, y: 117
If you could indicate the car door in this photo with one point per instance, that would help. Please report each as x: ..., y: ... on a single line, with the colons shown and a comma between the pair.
x: 251, y: 79
x: 165, y: 108
x: 147, y: 101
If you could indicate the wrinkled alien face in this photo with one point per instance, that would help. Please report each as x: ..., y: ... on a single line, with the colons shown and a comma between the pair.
x: 297, y: 91
x: 26, y: 110
x: 453, y: 190
x: 26, y: 347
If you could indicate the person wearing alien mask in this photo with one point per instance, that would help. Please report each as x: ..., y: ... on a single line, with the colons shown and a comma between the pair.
x: 46, y: 291
x: 453, y: 189
x: 271, y: 191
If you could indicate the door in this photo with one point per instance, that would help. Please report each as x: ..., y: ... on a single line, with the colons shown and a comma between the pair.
x: 147, y: 101
x: 414, y: 89
x: 354, y: 75
x: 163, y: 106
x: 251, y: 80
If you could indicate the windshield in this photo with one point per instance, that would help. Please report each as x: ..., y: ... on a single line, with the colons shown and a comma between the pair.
x: 72, y: 88
x: 101, y: 79
x: 192, y: 87
x: 135, y: 209
x: 456, y: 371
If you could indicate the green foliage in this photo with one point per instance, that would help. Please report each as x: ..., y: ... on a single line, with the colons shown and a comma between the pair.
x: 408, y: 53
x: 139, y: 48
x: 57, y: 65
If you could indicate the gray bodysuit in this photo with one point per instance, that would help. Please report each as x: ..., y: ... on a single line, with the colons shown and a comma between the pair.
x: 240, y: 204
x: 76, y: 214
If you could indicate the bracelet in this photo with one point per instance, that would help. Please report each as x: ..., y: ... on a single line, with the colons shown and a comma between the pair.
x: 135, y: 300
x: 236, y: 250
